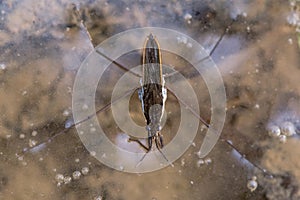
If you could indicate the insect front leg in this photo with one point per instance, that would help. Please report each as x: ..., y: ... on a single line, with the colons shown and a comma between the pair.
x: 150, y: 137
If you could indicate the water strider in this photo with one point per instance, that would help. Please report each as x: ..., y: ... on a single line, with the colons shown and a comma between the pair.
x: 152, y: 96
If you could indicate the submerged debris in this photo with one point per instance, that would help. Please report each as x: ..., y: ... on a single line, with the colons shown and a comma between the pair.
x: 282, y: 186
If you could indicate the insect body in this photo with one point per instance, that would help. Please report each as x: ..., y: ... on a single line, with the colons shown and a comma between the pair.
x: 152, y: 94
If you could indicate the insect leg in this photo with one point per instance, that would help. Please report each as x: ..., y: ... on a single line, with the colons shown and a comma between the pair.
x: 159, y: 145
x: 147, y: 149
x: 160, y: 140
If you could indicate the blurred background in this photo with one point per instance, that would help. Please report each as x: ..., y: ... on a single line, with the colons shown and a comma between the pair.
x: 255, y: 45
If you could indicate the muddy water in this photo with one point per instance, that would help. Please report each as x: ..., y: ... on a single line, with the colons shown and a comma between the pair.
x: 42, y: 45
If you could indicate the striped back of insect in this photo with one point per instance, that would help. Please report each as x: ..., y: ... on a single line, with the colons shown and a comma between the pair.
x: 152, y: 95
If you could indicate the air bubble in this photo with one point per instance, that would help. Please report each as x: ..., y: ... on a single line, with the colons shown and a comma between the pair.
x: 200, y: 162
x: 282, y: 138
x: 187, y: 16
x: 67, y: 179
x: 20, y: 158
x: 2, y: 66
x: 182, y: 162
x: 274, y: 131
x: 22, y: 136
x: 292, y: 3
x: 208, y: 161
x: 69, y: 123
x: 76, y: 175
x: 288, y: 128
x: 24, y: 92
x: 34, y: 133
x: 59, y: 178
x: 66, y: 113
x: 98, y: 198
x: 293, y: 18
x: 248, y: 29
x: 32, y: 143
x: 252, y: 184
x: 85, y: 170
x: 244, y: 14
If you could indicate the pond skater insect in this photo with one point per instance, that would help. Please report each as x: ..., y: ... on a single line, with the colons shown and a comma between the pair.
x: 152, y: 95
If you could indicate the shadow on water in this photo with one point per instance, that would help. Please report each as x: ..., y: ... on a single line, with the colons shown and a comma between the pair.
x: 42, y: 45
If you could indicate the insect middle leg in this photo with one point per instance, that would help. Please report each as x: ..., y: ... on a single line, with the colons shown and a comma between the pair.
x: 147, y: 149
